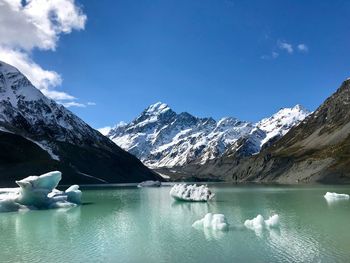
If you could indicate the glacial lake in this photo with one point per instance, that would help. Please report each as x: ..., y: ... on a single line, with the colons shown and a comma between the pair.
x: 146, y: 225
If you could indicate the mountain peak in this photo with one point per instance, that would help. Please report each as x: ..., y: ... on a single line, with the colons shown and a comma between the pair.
x: 289, y: 112
x: 157, y: 108
x: 6, y: 68
x: 227, y: 121
x: 300, y: 107
x: 15, y: 87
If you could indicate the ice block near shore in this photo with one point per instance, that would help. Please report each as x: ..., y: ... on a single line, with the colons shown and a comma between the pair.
x: 39, y: 192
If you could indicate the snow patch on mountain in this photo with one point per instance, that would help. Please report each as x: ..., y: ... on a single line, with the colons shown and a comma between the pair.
x: 281, y: 122
x: 46, y: 147
x: 105, y: 130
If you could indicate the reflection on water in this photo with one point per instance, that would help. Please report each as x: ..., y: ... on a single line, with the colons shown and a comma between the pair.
x: 147, y: 225
x: 184, y: 208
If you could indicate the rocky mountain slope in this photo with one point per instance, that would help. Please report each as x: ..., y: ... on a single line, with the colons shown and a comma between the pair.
x: 161, y: 138
x: 37, y: 135
x: 268, y: 131
x: 317, y: 150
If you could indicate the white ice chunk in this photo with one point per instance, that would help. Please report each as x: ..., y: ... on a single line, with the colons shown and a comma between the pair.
x: 258, y: 223
x: 193, y: 192
x: 273, y: 221
x: 8, y: 204
x: 149, y: 183
x: 212, y: 221
x: 334, y: 196
x: 73, y: 194
x: 38, y: 192
x: 48, y: 181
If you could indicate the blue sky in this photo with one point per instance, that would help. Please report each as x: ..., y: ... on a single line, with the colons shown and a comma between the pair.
x: 216, y: 58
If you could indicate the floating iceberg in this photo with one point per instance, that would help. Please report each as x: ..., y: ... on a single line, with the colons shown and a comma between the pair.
x: 193, y: 192
x: 38, y: 192
x: 330, y: 197
x: 212, y: 221
x: 149, y: 184
x: 273, y: 221
x: 258, y: 223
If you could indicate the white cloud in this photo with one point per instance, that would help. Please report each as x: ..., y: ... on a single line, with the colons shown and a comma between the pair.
x: 69, y: 104
x: 303, y: 48
x: 273, y: 55
x: 37, y: 24
x: 73, y: 104
x: 285, y: 46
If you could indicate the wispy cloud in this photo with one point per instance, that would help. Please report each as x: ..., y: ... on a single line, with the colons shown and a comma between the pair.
x: 283, y: 45
x: 37, y: 24
x: 273, y: 55
x: 69, y: 104
x: 73, y: 104
x: 303, y: 48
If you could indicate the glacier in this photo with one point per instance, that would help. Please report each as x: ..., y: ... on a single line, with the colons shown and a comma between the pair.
x: 212, y: 221
x: 184, y: 192
x: 39, y: 192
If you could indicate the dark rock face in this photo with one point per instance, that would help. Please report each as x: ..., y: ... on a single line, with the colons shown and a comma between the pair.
x: 317, y: 150
x: 52, y: 137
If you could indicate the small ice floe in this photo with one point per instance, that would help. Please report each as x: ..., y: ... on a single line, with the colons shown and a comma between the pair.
x: 38, y: 192
x: 332, y: 197
x: 212, y: 221
x: 184, y: 192
x: 259, y: 223
x: 149, y: 184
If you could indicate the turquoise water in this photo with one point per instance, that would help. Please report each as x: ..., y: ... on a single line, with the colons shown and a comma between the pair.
x: 146, y: 225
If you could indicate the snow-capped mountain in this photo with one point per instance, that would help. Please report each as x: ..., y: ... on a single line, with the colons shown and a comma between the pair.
x: 268, y: 131
x: 25, y: 109
x: 59, y: 137
x: 162, y: 138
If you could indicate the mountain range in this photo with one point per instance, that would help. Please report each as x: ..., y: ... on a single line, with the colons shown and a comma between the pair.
x: 37, y: 135
x: 162, y: 138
